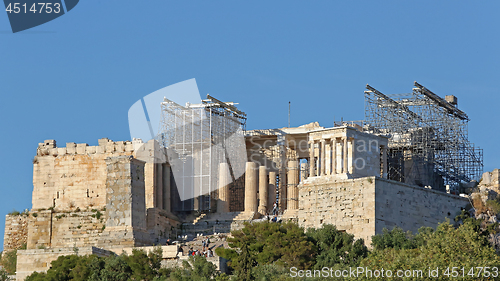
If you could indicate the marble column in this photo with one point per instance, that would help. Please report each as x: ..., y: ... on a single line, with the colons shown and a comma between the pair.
x: 263, y: 196
x: 311, y: 159
x: 251, y: 182
x: 224, y: 181
x: 293, y: 182
x: 353, y: 156
x: 344, y: 156
x: 334, y: 156
x: 166, y: 188
x: 272, y: 191
x: 322, y: 158
x: 159, y: 185
x: 384, y: 162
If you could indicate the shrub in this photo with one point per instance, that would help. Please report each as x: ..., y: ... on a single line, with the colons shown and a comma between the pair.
x: 9, y: 261
x: 398, y: 239
x: 461, y: 247
x: 493, y: 206
x: 14, y: 213
x: 336, y: 247
x: 4, y: 276
x: 478, y: 204
x: 262, y: 243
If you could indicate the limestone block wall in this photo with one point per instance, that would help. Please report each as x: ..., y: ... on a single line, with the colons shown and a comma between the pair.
x: 348, y: 204
x: 16, y: 232
x: 411, y: 207
x: 73, y: 176
x: 65, y: 178
x: 161, y: 225
x: 491, y: 180
x: 65, y: 229
x: 126, y: 205
x: 40, y: 229
x: 365, y: 206
x: 39, y: 260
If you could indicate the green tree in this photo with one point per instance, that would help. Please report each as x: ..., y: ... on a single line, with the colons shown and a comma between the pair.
x: 264, y: 243
x: 398, y: 239
x: 4, y: 276
x: 70, y: 267
x: 447, y: 247
x: 115, y: 268
x: 145, y: 266
x: 270, y: 272
x: 336, y: 247
x: 9, y: 261
x: 196, y: 269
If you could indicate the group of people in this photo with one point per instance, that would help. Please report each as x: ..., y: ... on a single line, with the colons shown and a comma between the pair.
x: 207, y: 253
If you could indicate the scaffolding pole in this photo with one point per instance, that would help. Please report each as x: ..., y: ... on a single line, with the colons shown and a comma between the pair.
x: 428, y: 138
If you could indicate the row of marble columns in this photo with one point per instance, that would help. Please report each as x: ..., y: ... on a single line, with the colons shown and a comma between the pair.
x: 157, y: 181
x: 260, y: 188
x: 329, y: 163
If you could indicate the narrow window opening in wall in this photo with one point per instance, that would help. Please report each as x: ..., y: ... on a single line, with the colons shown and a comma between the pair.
x: 58, y: 195
x: 88, y: 193
x: 321, y: 221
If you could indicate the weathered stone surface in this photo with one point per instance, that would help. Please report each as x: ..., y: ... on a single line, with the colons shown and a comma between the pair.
x: 39, y: 259
x: 16, y: 232
x: 365, y: 206
x: 125, y: 203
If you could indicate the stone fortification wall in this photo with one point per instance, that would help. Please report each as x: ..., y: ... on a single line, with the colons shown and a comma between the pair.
x: 161, y: 226
x: 39, y: 260
x: 126, y: 205
x: 74, y: 176
x: 491, y: 180
x: 65, y: 178
x: 365, y: 206
x: 16, y: 232
x: 122, y: 221
x: 65, y: 229
x: 411, y: 207
x: 348, y: 204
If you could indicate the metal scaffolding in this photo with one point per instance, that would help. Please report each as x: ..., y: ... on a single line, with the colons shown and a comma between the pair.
x: 428, y: 143
x: 197, y: 138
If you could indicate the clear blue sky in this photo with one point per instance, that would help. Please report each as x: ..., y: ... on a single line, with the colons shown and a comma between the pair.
x: 74, y: 78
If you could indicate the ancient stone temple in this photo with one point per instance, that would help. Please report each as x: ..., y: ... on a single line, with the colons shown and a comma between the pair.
x: 119, y: 195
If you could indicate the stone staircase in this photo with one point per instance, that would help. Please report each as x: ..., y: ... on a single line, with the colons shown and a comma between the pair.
x: 211, y: 223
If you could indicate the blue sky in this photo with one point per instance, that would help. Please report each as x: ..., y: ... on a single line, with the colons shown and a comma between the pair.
x: 73, y: 79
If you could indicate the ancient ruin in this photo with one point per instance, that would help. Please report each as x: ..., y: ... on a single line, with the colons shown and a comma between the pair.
x: 390, y: 170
